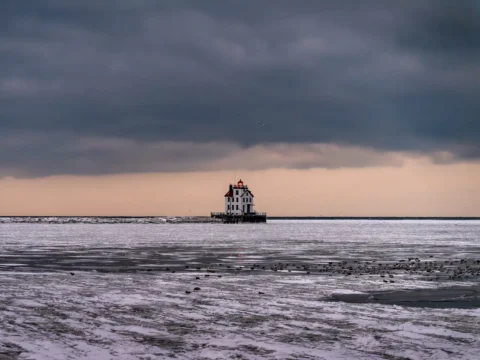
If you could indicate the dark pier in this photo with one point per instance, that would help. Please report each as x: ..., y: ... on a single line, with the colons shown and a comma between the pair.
x: 244, y: 218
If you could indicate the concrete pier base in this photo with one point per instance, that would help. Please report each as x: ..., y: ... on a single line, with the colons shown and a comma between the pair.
x: 244, y: 218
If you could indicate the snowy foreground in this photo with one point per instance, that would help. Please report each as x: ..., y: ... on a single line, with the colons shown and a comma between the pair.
x: 266, y: 291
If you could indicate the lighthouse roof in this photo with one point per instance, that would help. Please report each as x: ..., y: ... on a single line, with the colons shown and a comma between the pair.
x: 229, y: 193
x: 247, y: 192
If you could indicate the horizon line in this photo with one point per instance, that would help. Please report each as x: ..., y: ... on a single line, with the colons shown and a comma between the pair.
x: 287, y: 217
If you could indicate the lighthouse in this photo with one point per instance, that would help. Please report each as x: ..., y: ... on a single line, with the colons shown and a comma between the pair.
x: 239, y: 205
x: 239, y: 200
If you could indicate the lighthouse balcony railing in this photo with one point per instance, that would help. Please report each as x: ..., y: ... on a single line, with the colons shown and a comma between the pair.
x: 216, y: 213
x: 234, y: 213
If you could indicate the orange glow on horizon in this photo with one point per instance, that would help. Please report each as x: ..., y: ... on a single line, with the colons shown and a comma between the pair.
x: 415, y: 189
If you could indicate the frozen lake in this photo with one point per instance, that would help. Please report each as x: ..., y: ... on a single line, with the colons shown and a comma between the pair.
x: 283, y: 290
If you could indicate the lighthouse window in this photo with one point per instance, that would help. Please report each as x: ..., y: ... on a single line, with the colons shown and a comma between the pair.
x: 236, y: 192
x: 237, y: 207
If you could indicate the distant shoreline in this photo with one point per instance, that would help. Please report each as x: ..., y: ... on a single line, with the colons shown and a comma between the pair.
x: 269, y: 218
x: 372, y: 218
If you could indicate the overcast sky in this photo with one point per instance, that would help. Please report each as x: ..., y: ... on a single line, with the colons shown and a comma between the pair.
x: 105, y: 87
x: 111, y: 86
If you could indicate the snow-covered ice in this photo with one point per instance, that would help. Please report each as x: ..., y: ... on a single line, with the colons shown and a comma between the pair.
x: 98, y: 291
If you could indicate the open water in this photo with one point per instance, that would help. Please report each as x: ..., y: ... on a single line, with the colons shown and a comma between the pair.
x: 282, y: 290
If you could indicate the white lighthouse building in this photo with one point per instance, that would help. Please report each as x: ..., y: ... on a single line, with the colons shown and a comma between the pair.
x: 239, y: 200
x: 239, y: 206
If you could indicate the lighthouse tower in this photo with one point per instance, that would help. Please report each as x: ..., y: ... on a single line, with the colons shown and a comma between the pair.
x: 239, y: 207
x: 239, y: 200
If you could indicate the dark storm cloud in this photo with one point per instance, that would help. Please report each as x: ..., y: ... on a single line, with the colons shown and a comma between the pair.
x: 385, y: 75
x: 45, y: 154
